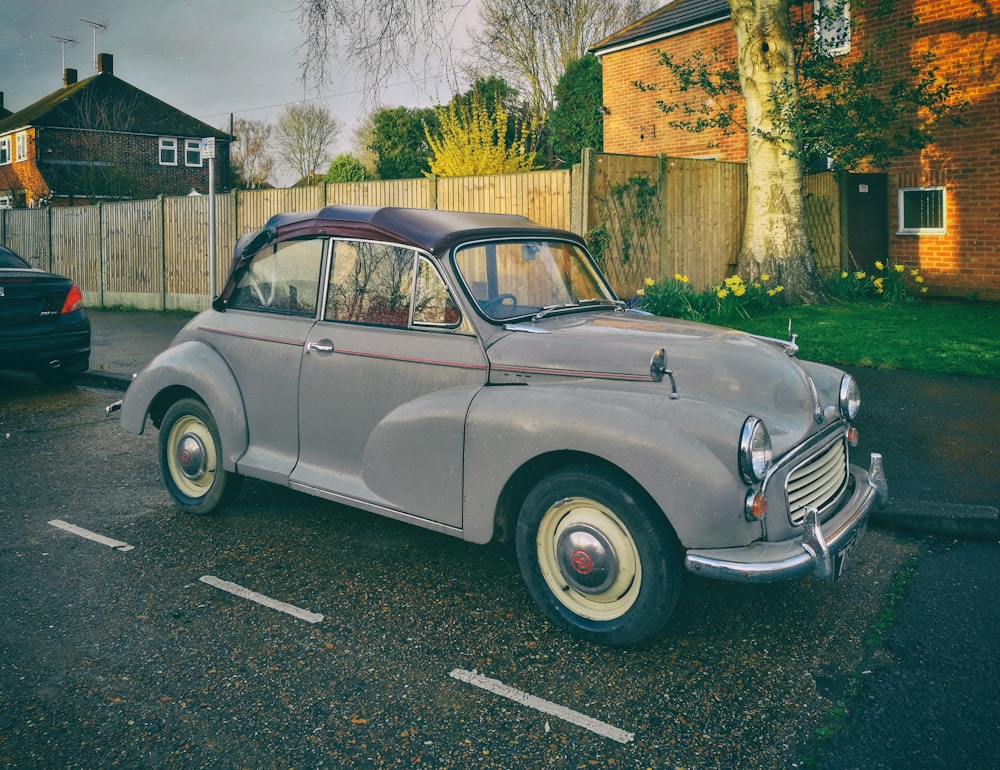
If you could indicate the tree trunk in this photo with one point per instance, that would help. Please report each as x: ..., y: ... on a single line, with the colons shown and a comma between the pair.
x: 775, y: 242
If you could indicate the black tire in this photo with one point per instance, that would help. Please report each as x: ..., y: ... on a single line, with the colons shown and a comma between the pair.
x: 191, y: 459
x: 599, y: 560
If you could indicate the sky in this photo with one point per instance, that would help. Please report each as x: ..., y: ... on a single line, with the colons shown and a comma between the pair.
x: 208, y: 58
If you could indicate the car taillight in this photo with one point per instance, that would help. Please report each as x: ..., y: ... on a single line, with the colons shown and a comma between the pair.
x: 74, y: 300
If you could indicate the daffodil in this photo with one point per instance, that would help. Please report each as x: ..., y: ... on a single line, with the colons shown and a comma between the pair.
x: 649, y: 282
x: 739, y: 291
x: 919, y: 279
x: 640, y: 293
x: 765, y: 277
x: 900, y: 268
x: 914, y: 272
x: 879, y: 266
x: 722, y: 293
x: 861, y: 275
x: 843, y: 274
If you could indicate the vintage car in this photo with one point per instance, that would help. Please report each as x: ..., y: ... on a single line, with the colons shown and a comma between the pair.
x: 476, y: 375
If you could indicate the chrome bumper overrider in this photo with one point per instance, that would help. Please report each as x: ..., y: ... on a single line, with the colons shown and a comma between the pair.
x: 820, y: 550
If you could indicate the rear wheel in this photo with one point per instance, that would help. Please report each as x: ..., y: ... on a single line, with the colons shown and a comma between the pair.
x: 191, y: 459
x: 598, y: 559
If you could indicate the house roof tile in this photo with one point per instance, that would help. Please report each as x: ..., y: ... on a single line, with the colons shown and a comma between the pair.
x: 674, y: 17
x: 106, y: 102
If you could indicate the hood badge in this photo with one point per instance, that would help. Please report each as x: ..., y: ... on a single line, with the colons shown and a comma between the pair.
x: 658, y: 368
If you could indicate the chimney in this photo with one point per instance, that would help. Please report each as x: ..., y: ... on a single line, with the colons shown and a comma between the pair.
x: 69, y: 76
x: 106, y: 63
x: 1, y: 101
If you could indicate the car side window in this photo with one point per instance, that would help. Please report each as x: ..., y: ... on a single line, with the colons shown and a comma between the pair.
x: 283, y: 278
x: 433, y: 305
x: 370, y: 283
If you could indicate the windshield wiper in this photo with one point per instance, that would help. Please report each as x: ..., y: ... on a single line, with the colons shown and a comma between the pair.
x: 549, y: 309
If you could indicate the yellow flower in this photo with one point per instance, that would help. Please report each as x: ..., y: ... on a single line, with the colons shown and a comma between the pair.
x: 923, y: 289
x: 861, y: 275
x: 880, y: 290
x: 640, y: 293
x: 914, y: 272
x: 765, y: 277
x: 739, y: 291
x: 878, y: 284
x: 843, y: 274
x: 771, y: 292
x: 649, y: 281
x: 879, y: 266
x: 778, y: 288
x: 722, y: 293
x: 684, y: 279
x: 919, y: 279
x: 756, y: 285
x: 900, y: 268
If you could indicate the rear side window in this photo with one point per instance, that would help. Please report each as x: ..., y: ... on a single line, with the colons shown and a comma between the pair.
x: 283, y: 279
x: 9, y: 259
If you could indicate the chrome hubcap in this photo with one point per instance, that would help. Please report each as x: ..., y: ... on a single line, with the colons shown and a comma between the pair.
x: 191, y: 456
x: 586, y: 559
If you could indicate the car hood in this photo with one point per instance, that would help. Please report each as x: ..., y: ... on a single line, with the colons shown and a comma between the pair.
x: 713, y: 365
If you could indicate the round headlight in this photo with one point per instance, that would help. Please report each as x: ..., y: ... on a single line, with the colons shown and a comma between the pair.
x: 755, y: 451
x: 850, y: 397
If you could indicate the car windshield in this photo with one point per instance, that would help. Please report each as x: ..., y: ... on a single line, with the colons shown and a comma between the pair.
x: 9, y: 259
x: 526, y: 278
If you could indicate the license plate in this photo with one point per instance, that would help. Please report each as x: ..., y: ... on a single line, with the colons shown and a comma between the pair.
x: 841, y: 559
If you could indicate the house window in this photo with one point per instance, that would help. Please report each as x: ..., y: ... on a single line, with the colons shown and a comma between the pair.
x: 192, y: 152
x: 833, y: 26
x: 4, y: 151
x: 168, y: 151
x: 21, y: 146
x: 922, y: 211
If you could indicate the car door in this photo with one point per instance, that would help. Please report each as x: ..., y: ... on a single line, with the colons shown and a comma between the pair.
x: 387, y: 378
x: 262, y: 335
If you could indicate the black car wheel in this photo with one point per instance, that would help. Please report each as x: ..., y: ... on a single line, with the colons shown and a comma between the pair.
x: 597, y: 557
x: 191, y: 459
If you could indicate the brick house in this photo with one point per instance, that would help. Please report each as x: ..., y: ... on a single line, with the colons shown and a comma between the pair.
x: 936, y: 210
x: 103, y: 139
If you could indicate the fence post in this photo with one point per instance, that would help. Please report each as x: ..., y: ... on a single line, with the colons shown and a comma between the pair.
x: 586, y: 174
x: 663, y: 240
x: 100, y: 251
x: 48, y: 230
x: 432, y: 191
x: 163, y: 253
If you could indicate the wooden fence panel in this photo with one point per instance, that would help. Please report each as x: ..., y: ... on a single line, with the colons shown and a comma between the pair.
x: 185, y: 244
x: 408, y: 193
x: 822, y: 214
x: 703, y: 219
x: 27, y: 234
x: 255, y: 207
x: 132, y: 273
x: 76, y: 247
x: 542, y: 196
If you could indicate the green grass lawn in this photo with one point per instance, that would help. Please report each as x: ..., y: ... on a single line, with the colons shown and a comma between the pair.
x: 939, y: 337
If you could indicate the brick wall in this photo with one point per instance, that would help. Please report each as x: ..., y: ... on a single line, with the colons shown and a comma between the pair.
x: 965, y: 37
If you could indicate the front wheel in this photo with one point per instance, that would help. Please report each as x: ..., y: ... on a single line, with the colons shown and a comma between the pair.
x: 191, y: 459
x: 597, y: 558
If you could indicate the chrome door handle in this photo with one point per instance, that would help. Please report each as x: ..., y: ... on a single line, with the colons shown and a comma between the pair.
x: 325, y: 346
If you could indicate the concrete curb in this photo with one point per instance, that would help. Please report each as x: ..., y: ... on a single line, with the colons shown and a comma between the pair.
x: 975, y: 522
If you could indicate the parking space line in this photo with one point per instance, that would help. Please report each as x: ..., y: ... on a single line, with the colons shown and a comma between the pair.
x: 245, y: 593
x: 118, y: 545
x: 497, y: 687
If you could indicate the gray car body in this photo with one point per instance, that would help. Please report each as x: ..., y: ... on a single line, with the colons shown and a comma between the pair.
x: 448, y: 428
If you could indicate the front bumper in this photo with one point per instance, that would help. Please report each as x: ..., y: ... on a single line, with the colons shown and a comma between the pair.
x: 821, y: 550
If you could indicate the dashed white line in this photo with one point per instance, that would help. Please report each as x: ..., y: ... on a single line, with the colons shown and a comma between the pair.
x: 497, y: 687
x: 86, y: 533
x: 245, y: 593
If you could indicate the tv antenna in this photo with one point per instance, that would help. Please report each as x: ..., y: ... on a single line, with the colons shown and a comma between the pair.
x: 63, y: 42
x: 97, y: 26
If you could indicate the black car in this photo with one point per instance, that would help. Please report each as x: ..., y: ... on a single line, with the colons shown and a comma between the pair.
x: 43, y: 327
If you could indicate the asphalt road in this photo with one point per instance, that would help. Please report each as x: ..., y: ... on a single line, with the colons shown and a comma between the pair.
x: 126, y: 653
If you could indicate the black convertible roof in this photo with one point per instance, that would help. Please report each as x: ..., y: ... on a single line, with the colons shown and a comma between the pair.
x: 429, y: 229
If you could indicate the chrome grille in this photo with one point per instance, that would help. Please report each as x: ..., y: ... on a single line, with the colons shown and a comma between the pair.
x: 816, y: 482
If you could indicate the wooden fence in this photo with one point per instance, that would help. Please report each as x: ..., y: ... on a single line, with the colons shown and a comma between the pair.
x: 646, y: 217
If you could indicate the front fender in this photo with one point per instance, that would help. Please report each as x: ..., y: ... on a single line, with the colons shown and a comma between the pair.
x: 190, y: 368
x: 682, y: 452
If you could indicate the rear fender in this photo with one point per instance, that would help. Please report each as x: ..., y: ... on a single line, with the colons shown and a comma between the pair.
x: 190, y: 369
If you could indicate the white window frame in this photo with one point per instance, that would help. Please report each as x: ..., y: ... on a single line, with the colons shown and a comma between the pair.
x: 192, y: 145
x: 21, y: 146
x: 833, y: 34
x: 5, y: 159
x: 167, y: 144
x: 901, y: 200
x: 6, y: 202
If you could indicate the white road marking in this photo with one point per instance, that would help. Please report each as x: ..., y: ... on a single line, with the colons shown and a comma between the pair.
x: 497, y: 687
x: 86, y: 533
x: 245, y: 593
